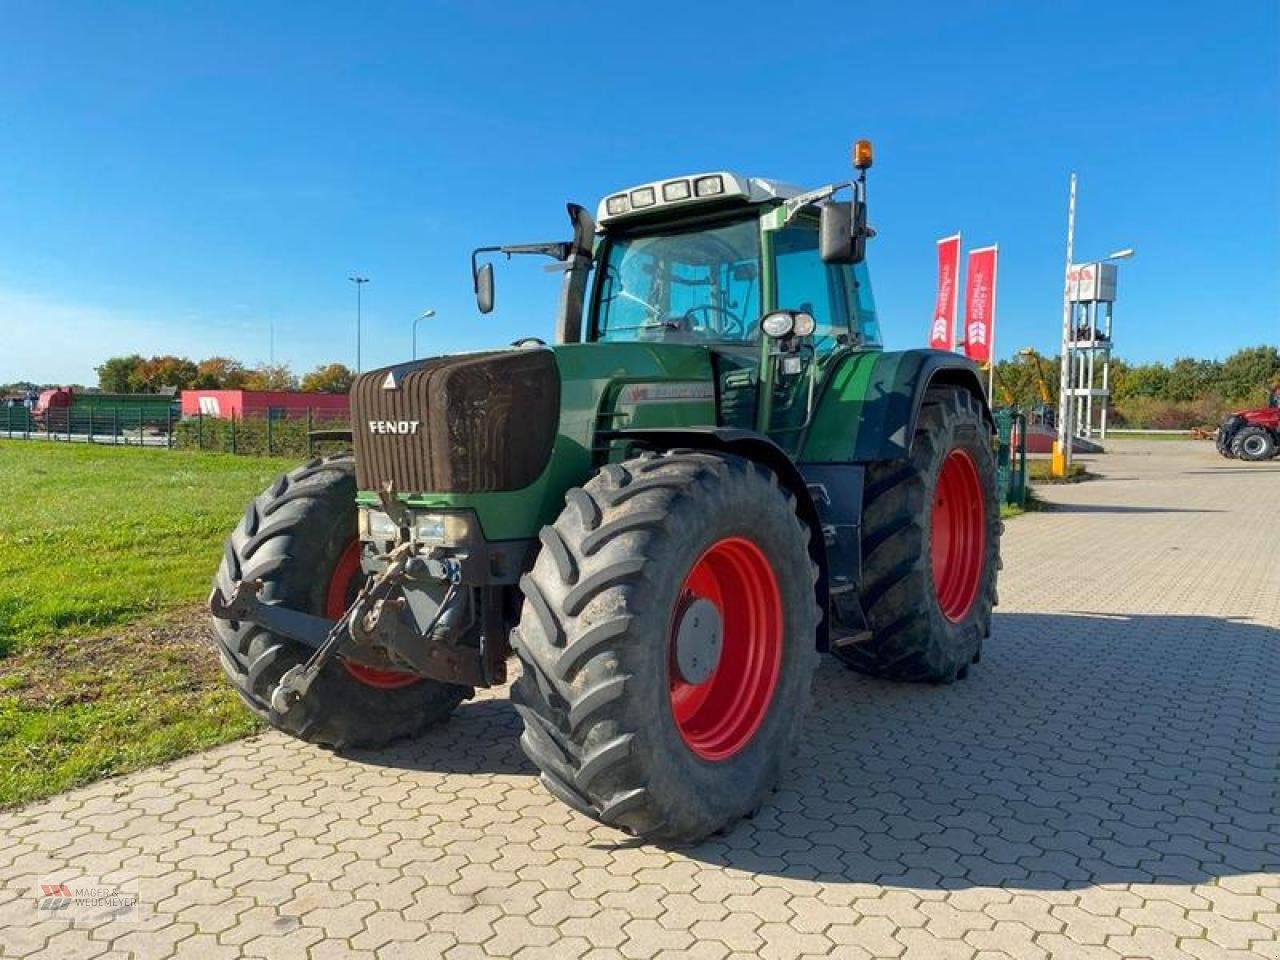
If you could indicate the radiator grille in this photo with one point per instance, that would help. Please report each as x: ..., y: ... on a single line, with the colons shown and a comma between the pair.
x: 485, y: 421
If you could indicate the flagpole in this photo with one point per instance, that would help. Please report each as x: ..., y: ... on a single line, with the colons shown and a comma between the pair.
x: 1061, y: 462
x: 991, y: 357
x: 956, y: 319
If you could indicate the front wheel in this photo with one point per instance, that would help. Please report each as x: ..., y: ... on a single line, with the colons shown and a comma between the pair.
x: 299, y: 538
x: 1222, y: 440
x: 930, y: 548
x: 668, y: 642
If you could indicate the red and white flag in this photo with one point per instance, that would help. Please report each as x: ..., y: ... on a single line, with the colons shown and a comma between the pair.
x: 980, y: 305
x: 942, y: 329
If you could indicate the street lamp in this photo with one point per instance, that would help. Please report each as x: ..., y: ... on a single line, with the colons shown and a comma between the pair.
x: 426, y: 314
x: 1123, y: 254
x: 1060, y: 464
x: 359, y: 282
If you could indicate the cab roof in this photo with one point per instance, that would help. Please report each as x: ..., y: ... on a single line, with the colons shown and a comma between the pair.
x: 673, y: 194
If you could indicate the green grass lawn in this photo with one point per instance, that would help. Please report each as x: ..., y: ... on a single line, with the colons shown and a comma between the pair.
x: 105, y: 554
x: 1134, y: 435
x: 1038, y: 472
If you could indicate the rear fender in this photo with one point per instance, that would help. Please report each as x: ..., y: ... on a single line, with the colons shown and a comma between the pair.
x: 870, y: 403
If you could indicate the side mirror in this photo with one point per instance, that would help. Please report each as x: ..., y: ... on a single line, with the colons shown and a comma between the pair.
x: 484, y: 288
x: 835, y: 232
x: 842, y: 231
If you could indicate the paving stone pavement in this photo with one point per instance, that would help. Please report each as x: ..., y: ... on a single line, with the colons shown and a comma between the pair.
x: 1103, y: 785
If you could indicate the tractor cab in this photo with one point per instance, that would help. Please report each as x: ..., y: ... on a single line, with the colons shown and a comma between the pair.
x: 768, y: 278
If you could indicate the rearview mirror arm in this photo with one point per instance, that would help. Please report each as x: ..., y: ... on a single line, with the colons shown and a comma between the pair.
x: 793, y: 206
x: 556, y: 250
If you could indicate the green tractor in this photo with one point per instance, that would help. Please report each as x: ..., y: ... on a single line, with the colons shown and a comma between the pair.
x: 714, y: 475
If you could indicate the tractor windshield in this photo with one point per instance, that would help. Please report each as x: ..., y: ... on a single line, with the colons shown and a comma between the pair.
x: 699, y: 285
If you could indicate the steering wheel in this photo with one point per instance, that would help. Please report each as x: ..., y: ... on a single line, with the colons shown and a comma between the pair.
x: 733, y: 326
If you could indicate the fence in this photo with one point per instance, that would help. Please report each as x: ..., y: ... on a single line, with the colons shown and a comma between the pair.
x: 275, y: 432
x: 136, y: 425
x: 271, y: 433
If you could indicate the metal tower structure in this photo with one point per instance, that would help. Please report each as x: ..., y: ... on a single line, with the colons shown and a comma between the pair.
x: 1091, y: 294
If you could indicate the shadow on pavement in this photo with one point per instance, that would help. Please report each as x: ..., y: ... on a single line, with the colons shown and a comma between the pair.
x: 1083, y: 749
x: 482, y: 736
x: 1266, y: 469
x: 1058, y: 506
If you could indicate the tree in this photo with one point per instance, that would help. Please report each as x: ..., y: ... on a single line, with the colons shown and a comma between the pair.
x: 220, y: 373
x: 1017, y: 380
x: 115, y: 373
x: 1247, y: 373
x: 1141, y: 380
x: 1190, y: 379
x: 329, y: 378
x: 271, y: 377
x: 137, y: 374
x: 155, y: 374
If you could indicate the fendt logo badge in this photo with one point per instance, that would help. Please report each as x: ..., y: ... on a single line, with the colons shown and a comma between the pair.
x: 393, y: 426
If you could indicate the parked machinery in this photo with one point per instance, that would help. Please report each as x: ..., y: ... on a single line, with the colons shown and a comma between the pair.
x: 713, y: 475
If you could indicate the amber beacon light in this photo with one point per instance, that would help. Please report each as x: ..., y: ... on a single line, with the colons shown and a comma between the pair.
x: 862, y: 155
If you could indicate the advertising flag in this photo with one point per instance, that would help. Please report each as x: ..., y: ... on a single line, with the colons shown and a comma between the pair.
x: 980, y: 305
x: 943, y: 326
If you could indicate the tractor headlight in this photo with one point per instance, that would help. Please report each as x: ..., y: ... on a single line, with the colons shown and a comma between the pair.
x: 804, y: 324
x: 644, y: 197
x: 443, y: 528
x: 708, y: 186
x: 675, y: 190
x: 377, y: 526
x: 778, y: 324
x: 617, y: 205
x: 430, y: 528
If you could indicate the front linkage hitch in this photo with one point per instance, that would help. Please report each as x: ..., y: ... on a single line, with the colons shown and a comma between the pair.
x: 373, y: 619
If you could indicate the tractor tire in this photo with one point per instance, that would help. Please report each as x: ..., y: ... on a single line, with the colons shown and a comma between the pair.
x: 930, y: 548
x: 1222, y: 440
x: 1253, y: 443
x: 299, y: 538
x: 633, y: 712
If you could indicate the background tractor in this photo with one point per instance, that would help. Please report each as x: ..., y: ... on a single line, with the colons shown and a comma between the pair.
x: 1252, y: 434
x: 714, y: 475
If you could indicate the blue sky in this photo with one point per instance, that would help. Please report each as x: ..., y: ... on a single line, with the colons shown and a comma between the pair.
x: 181, y: 177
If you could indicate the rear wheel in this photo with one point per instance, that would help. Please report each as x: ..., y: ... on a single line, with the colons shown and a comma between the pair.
x: 668, y: 643
x: 931, y: 548
x: 1253, y: 443
x: 299, y: 538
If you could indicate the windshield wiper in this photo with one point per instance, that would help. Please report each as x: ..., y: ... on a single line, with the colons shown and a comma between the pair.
x: 649, y: 307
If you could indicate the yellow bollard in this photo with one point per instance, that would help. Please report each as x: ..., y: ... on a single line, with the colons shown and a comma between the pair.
x: 1058, y: 461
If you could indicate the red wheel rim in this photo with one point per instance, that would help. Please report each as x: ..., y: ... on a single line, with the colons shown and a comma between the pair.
x: 719, y: 716
x: 342, y: 590
x: 959, y: 535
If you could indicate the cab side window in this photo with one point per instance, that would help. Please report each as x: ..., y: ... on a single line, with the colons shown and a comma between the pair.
x: 804, y: 282
x: 864, y: 305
